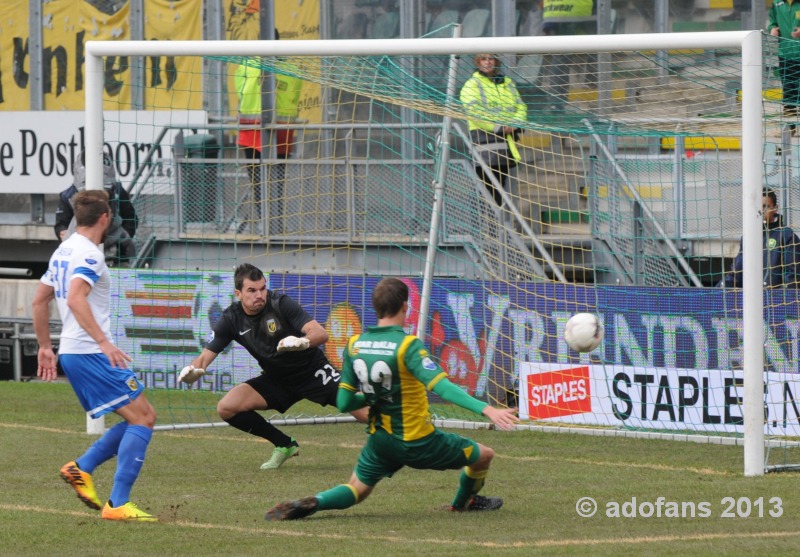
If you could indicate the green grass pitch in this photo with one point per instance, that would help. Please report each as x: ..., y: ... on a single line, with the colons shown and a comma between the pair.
x: 207, y: 489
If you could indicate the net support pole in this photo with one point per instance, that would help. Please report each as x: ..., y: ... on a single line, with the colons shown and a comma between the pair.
x: 752, y: 272
x: 95, y: 426
x: 442, y: 161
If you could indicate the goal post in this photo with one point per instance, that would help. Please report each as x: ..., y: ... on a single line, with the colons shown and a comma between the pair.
x: 500, y: 255
x: 752, y: 183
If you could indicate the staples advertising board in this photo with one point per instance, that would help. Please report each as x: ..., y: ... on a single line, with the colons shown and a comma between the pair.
x: 552, y: 394
x: 651, y: 397
x: 37, y: 149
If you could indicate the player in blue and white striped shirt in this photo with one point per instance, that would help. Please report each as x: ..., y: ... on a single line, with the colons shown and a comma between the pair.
x: 78, y: 279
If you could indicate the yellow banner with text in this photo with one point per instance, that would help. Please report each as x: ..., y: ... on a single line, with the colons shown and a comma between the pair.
x: 170, y: 82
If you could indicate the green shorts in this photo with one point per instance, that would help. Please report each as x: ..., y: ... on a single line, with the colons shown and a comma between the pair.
x: 383, y: 454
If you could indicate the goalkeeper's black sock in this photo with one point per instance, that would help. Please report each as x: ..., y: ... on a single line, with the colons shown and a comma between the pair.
x: 254, y: 423
x: 470, y: 483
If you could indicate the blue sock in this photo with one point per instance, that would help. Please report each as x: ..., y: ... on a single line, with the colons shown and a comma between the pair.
x: 103, y: 449
x: 130, y: 458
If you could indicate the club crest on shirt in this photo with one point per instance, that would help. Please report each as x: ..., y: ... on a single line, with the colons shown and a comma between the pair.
x: 133, y: 384
x: 91, y: 261
x: 429, y: 364
x: 272, y: 326
x: 772, y: 243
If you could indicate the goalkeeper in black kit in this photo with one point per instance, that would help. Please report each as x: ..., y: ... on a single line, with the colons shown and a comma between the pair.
x: 389, y: 371
x: 285, y: 341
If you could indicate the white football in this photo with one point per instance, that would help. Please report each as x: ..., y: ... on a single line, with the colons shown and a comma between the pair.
x: 583, y: 332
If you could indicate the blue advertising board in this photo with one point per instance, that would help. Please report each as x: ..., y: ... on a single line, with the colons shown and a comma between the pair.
x: 479, y: 331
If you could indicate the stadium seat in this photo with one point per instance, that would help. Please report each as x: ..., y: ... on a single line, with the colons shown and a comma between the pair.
x: 476, y: 23
x: 440, y: 25
x: 354, y: 27
x: 528, y: 68
x: 529, y: 24
x: 386, y: 26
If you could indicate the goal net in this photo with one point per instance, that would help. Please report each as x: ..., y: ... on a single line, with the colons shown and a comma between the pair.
x: 638, y: 171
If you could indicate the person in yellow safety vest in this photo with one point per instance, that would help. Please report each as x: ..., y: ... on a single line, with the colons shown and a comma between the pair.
x: 247, y: 81
x: 568, y: 17
x: 567, y: 11
x: 496, y: 112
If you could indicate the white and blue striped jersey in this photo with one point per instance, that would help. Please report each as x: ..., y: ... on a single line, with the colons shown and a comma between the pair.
x: 78, y: 258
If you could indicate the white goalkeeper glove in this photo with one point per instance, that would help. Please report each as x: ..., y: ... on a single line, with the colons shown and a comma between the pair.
x: 293, y: 344
x: 190, y: 374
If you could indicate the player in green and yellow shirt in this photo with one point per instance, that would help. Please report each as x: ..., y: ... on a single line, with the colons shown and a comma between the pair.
x: 393, y: 370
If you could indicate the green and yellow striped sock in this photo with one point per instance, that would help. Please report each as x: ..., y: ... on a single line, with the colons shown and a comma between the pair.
x: 470, y: 483
x: 339, y: 497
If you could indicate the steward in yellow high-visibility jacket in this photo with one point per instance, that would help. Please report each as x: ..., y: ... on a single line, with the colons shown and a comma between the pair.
x: 247, y: 81
x: 567, y: 10
x: 496, y: 112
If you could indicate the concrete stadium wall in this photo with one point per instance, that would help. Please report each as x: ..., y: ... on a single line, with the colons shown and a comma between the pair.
x: 16, y: 296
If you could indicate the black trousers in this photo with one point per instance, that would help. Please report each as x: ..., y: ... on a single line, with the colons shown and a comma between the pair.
x: 501, y: 173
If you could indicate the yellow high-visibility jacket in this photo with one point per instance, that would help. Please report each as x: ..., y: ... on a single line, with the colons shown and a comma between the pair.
x: 492, y: 103
x: 247, y: 81
x: 566, y: 9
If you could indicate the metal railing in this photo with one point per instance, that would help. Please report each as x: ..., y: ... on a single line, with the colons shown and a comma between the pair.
x: 227, y: 207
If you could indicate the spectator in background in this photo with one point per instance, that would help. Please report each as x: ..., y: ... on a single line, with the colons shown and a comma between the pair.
x: 568, y: 17
x: 119, y: 245
x: 781, y: 250
x: 496, y: 112
x: 784, y: 22
x: 247, y: 81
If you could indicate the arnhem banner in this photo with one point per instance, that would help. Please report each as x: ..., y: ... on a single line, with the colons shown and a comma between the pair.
x: 68, y: 24
x: 670, y: 358
x: 169, y: 81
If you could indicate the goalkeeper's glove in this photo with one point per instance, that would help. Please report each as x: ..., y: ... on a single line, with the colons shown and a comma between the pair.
x: 293, y: 344
x: 190, y: 374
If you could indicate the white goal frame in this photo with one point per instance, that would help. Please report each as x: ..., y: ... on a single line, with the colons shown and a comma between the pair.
x: 748, y: 42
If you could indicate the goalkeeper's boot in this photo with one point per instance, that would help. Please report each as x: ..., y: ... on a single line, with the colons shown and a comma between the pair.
x: 281, y: 455
x: 129, y: 511
x: 481, y: 503
x: 82, y: 483
x: 293, y: 510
